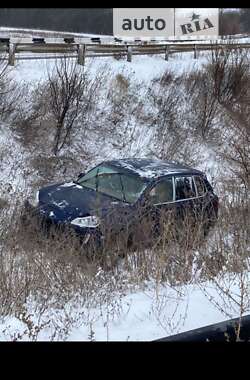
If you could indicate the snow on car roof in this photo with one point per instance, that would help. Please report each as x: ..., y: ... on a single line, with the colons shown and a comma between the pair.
x: 151, y: 168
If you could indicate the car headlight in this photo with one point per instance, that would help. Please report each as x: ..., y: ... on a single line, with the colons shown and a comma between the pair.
x: 87, y: 221
x: 34, y: 200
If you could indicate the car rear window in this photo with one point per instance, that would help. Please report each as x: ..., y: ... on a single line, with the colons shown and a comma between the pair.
x: 200, y: 185
x: 184, y: 188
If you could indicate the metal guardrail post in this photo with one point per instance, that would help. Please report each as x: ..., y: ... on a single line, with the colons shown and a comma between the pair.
x: 81, y: 54
x: 11, y: 60
x: 166, y: 53
x: 129, y: 54
x: 195, y: 51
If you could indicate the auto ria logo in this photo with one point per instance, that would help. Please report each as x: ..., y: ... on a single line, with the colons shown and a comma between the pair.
x: 164, y: 22
x: 196, y: 24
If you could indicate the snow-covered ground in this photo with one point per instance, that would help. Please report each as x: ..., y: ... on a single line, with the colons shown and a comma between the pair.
x: 148, y: 314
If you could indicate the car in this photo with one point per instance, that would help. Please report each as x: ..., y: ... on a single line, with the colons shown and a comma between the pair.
x: 118, y: 195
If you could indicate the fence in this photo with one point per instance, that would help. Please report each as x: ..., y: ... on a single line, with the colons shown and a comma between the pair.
x: 37, y: 48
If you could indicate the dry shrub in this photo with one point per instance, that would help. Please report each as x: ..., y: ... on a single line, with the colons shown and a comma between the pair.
x: 226, y: 261
x: 121, y: 82
x: 229, y: 71
x: 122, y: 95
x: 55, y: 169
x: 236, y: 148
x: 51, y: 268
x: 230, y: 74
x: 60, y: 109
x: 203, y: 105
x: 3, y: 203
x: 173, y: 138
x: 10, y: 93
x: 67, y: 87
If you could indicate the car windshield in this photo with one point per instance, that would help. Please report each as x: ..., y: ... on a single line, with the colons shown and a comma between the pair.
x: 109, y: 181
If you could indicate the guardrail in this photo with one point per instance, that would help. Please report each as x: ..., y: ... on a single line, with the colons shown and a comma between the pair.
x: 16, y: 50
x: 219, y: 332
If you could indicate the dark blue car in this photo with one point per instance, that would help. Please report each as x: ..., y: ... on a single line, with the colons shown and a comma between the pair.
x: 118, y: 195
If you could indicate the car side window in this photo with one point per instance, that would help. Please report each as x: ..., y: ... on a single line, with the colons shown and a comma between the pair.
x: 89, y: 179
x: 200, y: 185
x: 162, y: 192
x: 110, y: 184
x: 184, y: 188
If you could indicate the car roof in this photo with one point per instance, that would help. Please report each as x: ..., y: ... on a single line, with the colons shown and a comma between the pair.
x: 151, y: 169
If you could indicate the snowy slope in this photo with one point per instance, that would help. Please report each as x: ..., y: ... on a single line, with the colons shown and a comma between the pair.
x: 140, y: 317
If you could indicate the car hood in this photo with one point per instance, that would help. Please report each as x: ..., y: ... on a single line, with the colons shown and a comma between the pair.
x: 67, y: 201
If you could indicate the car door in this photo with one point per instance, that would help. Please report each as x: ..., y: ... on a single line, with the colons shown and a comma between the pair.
x: 161, y: 200
x: 205, y: 198
x: 185, y: 198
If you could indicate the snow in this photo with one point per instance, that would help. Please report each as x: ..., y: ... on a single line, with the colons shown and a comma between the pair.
x: 68, y: 184
x: 61, y: 204
x: 142, y: 316
x: 149, y: 168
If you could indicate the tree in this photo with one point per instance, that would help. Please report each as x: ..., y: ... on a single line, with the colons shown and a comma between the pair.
x: 66, y: 86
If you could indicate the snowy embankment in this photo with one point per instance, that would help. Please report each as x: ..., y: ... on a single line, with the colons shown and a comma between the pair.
x: 148, y: 314
x: 142, y: 71
x: 142, y: 316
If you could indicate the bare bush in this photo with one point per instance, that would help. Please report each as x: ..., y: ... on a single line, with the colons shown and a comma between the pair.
x: 167, y: 307
x: 33, y: 123
x: 236, y: 148
x: 229, y: 70
x: 10, y: 93
x: 203, y: 105
x: 66, y: 85
x: 226, y: 261
x: 3, y: 203
x: 230, y: 73
x: 172, y: 135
